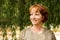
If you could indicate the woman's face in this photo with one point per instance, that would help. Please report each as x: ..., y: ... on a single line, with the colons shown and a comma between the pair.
x: 35, y: 17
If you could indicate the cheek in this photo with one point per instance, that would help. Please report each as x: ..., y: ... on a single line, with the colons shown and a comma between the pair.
x: 38, y: 17
x: 41, y: 18
x: 31, y: 17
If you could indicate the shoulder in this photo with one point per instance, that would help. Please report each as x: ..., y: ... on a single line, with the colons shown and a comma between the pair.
x: 26, y: 29
x: 23, y: 32
x: 49, y: 32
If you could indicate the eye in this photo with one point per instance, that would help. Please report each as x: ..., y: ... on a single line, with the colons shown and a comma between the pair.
x: 31, y: 14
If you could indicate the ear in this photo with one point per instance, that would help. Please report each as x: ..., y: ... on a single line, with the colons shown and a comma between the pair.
x: 42, y: 18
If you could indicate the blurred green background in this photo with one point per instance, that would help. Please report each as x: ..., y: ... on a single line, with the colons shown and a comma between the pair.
x: 16, y: 12
x: 14, y: 16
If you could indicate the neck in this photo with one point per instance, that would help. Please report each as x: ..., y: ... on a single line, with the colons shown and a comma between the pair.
x: 37, y: 27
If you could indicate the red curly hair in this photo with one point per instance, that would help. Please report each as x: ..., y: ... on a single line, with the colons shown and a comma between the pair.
x: 42, y: 9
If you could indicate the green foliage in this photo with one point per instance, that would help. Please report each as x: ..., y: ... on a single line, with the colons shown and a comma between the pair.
x: 17, y: 12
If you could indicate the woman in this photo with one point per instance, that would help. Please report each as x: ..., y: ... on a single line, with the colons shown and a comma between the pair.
x: 38, y: 16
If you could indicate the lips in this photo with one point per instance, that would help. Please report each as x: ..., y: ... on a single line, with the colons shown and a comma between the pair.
x: 34, y: 21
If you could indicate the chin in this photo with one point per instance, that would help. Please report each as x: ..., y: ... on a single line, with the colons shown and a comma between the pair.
x: 34, y: 23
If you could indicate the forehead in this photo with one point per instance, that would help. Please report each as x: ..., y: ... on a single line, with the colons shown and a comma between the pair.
x: 34, y: 10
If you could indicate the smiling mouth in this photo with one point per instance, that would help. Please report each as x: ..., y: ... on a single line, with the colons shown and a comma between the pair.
x: 34, y: 20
